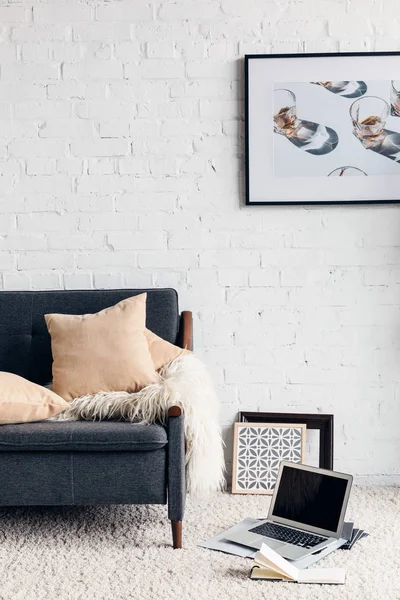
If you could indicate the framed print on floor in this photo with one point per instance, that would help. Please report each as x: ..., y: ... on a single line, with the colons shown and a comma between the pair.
x: 258, y: 449
x: 322, y: 128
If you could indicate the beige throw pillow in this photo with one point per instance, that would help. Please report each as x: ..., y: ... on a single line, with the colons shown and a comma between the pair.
x: 162, y: 352
x: 22, y: 401
x: 102, y: 352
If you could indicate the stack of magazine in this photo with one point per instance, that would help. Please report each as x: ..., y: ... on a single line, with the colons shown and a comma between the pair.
x: 352, y: 536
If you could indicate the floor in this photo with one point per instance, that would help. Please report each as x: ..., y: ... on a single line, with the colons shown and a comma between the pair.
x: 123, y: 552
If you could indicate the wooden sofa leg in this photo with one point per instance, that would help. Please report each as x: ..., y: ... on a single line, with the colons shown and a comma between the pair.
x: 176, y: 534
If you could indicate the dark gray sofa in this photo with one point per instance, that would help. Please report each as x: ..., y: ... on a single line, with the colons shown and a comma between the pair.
x: 75, y: 463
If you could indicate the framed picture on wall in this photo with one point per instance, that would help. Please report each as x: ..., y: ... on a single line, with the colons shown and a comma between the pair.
x: 322, y: 128
x: 258, y: 449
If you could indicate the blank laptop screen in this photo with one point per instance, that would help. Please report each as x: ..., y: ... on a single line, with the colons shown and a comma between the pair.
x: 310, y: 498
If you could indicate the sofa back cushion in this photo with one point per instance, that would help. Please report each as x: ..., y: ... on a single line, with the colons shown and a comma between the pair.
x: 25, y: 346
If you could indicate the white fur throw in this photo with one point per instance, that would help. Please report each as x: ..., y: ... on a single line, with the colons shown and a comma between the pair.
x: 185, y: 382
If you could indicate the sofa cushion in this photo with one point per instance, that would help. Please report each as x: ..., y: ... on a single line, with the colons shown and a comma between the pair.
x: 81, y: 436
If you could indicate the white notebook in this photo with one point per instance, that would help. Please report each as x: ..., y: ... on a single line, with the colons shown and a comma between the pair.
x: 268, y: 564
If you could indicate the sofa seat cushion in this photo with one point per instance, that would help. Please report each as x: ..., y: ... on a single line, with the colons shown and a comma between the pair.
x: 81, y: 436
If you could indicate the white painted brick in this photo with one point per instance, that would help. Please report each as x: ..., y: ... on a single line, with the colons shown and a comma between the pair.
x: 229, y: 258
x: 97, y: 32
x: 133, y: 165
x: 214, y: 70
x: 142, y: 128
x: 100, y: 147
x: 45, y: 281
x: 45, y: 260
x: 114, y: 129
x: 178, y: 11
x: 264, y: 277
x: 142, y: 202
x: 44, y: 184
x: 68, y: 52
x: 13, y: 14
x: 62, y: 12
x: 30, y: 72
x: 134, y: 240
x: 77, y: 281
x: 106, y: 184
x: 190, y: 128
x: 105, y: 260
x: 202, y: 88
x: 218, y: 109
x: 128, y: 51
x: 102, y: 166
x: 67, y: 128
x: 20, y: 129
x: 155, y: 69
x: 95, y: 69
x: 15, y: 91
x: 39, y: 222
x: 254, y: 374
x: 105, y: 110
x: 191, y: 49
x: 70, y: 166
x: 7, y: 261
x: 168, y: 260
x: 76, y: 241
x: 164, y: 165
x: 108, y: 281
x: 233, y: 278
x: 108, y: 222
x: 8, y: 53
x: 11, y: 167
x: 23, y: 148
x: 162, y: 49
x: 198, y: 239
x: 124, y: 11
x: 138, y: 278
x: 71, y: 90
x: 42, y: 110
x: 40, y: 166
x: 94, y: 203
x: 23, y: 241
x: 16, y: 281
x: 345, y: 27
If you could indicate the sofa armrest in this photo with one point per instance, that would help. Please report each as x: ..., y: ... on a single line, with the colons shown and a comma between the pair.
x: 186, y: 330
x: 176, y: 464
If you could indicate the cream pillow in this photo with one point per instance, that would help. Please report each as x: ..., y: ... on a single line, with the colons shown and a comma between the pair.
x: 162, y: 352
x: 22, y: 401
x: 102, y: 352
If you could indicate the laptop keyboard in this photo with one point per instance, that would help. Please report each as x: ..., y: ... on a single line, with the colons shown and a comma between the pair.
x: 290, y: 536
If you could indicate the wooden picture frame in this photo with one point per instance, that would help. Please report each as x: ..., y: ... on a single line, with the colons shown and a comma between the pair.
x: 258, y: 449
x: 323, y: 422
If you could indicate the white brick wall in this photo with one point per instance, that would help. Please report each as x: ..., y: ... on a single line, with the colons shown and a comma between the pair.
x: 121, y: 137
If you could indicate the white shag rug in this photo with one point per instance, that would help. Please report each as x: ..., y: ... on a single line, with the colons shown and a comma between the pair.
x: 124, y: 552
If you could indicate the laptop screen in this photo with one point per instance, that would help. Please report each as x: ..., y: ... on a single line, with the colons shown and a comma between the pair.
x: 311, y: 498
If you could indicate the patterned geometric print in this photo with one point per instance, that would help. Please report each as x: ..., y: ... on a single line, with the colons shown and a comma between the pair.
x: 259, y: 452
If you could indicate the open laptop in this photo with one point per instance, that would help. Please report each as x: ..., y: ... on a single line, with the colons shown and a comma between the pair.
x: 306, y: 513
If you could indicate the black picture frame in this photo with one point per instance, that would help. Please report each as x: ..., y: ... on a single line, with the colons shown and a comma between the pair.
x: 248, y: 201
x: 323, y: 422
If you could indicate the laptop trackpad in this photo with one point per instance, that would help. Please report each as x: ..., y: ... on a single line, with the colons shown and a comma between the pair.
x: 246, y: 538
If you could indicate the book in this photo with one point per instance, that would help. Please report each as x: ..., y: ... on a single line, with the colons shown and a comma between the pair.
x: 271, y: 566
